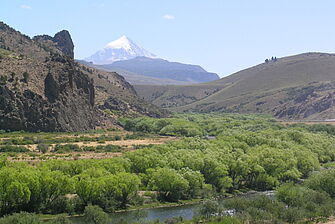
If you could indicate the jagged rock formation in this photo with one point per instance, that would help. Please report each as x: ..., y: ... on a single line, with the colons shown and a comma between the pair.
x: 43, y: 89
x: 61, y: 41
x: 64, y: 43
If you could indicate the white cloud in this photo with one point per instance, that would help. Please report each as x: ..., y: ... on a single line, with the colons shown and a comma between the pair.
x: 25, y: 7
x: 169, y: 16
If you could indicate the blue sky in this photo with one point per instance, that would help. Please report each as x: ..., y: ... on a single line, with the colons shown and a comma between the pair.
x: 222, y: 36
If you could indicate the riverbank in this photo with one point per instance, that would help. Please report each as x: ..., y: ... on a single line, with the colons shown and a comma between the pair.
x: 161, y: 205
x: 158, y: 205
x: 46, y: 217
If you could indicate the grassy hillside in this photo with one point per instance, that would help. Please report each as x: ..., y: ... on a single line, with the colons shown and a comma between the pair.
x: 296, y: 87
x: 115, y: 96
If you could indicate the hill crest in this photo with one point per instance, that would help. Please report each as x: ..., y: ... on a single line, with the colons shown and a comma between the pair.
x: 265, y: 88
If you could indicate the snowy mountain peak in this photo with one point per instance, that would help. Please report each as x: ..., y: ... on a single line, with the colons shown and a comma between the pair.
x: 122, y: 42
x: 118, y: 50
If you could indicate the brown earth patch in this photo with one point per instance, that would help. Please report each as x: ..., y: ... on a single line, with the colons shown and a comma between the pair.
x: 127, y: 145
x: 308, y: 122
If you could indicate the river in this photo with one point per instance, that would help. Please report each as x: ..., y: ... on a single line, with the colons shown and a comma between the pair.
x: 187, y: 212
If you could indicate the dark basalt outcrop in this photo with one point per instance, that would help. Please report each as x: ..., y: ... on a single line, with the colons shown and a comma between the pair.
x: 67, y: 104
x: 64, y: 43
x: 42, y: 89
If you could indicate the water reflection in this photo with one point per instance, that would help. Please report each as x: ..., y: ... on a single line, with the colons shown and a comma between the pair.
x: 187, y: 212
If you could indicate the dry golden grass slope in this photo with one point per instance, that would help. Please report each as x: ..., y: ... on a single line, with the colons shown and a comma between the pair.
x: 295, y: 87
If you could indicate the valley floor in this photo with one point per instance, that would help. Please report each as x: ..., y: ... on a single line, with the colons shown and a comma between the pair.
x: 169, y: 161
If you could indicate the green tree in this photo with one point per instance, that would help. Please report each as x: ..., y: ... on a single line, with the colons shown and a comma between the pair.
x: 196, y: 182
x: 121, y: 187
x: 95, y: 215
x: 13, y: 192
x: 89, y: 189
x: 55, y: 184
x: 171, y: 185
x: 216, y: 173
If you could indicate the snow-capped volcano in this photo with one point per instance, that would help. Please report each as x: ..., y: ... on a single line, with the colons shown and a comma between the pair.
x: 118, y: 50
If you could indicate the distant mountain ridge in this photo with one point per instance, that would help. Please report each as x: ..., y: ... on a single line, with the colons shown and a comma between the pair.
x: 163, y: 69
x: 134, y: 78
x: 139, y: 66
x: 120, y: 49
x: 299, y: 87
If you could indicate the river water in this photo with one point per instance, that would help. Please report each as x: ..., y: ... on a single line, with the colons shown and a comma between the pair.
x: 187, y: 212
x: 151, y: 214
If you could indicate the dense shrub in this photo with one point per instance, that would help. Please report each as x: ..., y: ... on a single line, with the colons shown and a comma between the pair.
x: 43, y: 148
x: 311, y: 203
x: 102, y: 148
x: 323, y: 181
x: 20, y: 218
x: 95, y: 215
x: 11, y: 148
x: 164, y: 126
x: 67, y: 148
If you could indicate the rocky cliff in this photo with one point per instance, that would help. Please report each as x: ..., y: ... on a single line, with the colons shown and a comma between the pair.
x: 43, y: 89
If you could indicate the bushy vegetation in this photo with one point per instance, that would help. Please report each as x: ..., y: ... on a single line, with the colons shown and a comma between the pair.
x: 165, y: 126
x: 30, y: 218
x: 246, y: 152
x: 292, y: 203
x: 102, y: 148
x: 95, y: 215
x: 12, y: 148
x: 67, y: 148
x: 43, y: 148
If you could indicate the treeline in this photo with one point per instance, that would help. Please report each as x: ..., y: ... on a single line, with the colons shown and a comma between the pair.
x: 248, y: 153
x: 164, y: 126
x: 191, y: 125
